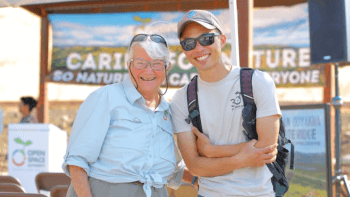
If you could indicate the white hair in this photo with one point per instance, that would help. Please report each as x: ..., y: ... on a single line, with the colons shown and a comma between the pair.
x: 153, y: 49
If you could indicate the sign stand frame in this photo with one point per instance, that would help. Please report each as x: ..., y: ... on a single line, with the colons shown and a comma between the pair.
x: 337, y: 102
x: 326, y: 108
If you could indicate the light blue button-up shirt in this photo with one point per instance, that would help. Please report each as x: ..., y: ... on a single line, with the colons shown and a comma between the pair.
x: 118, y: 139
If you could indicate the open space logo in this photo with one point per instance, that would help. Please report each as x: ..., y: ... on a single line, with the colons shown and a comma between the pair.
x: 19, y: 156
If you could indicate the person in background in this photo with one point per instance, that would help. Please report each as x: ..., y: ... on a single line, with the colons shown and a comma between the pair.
x: 26, y: 105
x: 122, y: 142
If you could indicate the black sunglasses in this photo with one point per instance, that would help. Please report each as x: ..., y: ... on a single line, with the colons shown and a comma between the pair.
x: 154, y: 37
x: 204, y: 39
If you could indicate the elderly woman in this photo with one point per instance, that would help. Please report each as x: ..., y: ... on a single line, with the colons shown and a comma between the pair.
x: 122, y: 142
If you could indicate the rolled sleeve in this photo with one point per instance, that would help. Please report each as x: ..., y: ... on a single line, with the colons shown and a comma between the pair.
x: 75, y: 161
x: 264, y: 91
x: 89, y: 130
x: 175, y: 179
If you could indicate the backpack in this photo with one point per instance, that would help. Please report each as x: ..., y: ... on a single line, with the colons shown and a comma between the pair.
x: 277, y: 168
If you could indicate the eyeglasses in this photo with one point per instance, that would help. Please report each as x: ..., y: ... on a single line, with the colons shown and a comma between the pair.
x: 154, y: 37
x: 142, y: 64
x: 204, y: 39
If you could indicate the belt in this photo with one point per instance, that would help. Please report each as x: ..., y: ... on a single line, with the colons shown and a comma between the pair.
x: 137, y: 183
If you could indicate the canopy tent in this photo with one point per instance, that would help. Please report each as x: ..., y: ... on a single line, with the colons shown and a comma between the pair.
x: 44, y: 7
x: 244, y: 7
x: 105, y: 6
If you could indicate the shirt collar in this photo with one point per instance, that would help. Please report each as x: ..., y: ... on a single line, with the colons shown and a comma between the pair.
x: 164, y: 105
x: 131, y: 93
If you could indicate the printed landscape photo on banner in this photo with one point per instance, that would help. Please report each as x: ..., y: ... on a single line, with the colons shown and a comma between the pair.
x: 91, y: 48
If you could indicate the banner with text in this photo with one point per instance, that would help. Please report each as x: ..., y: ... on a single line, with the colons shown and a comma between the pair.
x: 91, y: 48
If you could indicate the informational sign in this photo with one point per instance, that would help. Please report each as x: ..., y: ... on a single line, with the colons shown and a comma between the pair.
x: 34, y: 148
x: 308, y: 128
x: 288, y: 67
x: 92, y: 48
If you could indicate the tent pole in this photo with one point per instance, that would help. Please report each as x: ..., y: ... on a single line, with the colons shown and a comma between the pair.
x: 245, y: 32
x: 43, y: 104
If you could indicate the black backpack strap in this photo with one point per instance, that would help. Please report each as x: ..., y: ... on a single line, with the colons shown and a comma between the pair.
x: 291, y: 166
x: 193, y: 107
x: 246, y: 76
x: 275, y: 169
x: 278, y: 180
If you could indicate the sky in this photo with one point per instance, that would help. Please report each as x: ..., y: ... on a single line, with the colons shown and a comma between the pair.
x: 276, y: 26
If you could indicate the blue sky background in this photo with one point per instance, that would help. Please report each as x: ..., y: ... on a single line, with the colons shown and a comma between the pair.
x: 272, y: 26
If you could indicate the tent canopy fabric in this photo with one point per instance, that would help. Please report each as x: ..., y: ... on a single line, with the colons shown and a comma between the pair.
x: 17, y: 3
x: 43, y: 7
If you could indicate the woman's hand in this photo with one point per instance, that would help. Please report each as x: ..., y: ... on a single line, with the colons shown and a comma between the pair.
x: 204, y: 145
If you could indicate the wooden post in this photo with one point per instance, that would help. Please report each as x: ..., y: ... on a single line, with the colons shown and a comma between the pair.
x: 245, y: 32
x: 328, y: 94
x: 43, y: 104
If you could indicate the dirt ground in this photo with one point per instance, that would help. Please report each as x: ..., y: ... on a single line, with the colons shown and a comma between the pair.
x: 62, y: 114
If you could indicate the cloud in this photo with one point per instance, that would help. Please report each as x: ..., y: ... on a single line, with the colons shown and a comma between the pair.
x: 264, y: 17
x: 173, y: 41
x: 275, y: 25
x: 171, y: 16
x: 58, y: 34
x: 123, y: 39
x: 107, y: 35
x: 68, y: 25
x: 286, y: 36
x: 162, y: 28
x: 81, y: 35
x: 65, y: 42
x: 109, y: 30
x: 105, y: 30
x: 96, y: 43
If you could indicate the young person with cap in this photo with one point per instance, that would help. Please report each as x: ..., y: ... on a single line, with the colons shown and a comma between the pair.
x: 226, y: 164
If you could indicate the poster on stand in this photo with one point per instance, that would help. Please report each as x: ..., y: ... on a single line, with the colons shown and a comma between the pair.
x: 34, y: 148
x: 308, y: 127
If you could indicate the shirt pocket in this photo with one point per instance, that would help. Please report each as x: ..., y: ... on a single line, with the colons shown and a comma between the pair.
x: 166, y: 149
x: 129, y: 122
x: 129, y: 132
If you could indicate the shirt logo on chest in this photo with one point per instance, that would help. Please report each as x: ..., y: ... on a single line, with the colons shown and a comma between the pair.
x: 237, y: 101
x: 165, y: 115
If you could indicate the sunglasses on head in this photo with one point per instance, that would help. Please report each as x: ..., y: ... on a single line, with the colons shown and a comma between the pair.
x: 204, y: 39
x: 154, y: 37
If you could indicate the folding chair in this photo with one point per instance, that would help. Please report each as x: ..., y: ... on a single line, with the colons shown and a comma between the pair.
x: 47, y: 180
x: 59, y: 191
x: 9, y: 179
x: 11, y: 194
x: 11, y: 187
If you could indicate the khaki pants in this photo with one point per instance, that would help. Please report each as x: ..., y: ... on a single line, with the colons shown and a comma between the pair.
x: 104, y: 189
